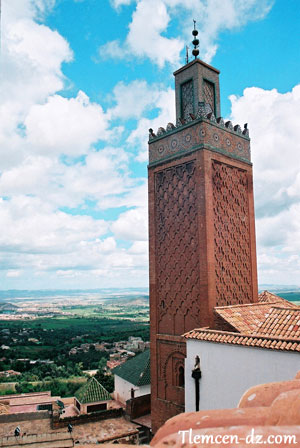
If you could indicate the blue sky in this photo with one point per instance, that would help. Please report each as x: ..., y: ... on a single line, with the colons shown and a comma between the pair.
x: 81, y: 83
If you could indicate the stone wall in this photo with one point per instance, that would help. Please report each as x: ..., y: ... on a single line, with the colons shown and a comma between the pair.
x: 30, y: 423
x: 86, y: 418
x: 54, y: 440
x: 139, y: 406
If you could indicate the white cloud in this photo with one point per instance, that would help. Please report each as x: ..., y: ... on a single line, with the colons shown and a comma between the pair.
x: 145, y: 39
x: 30, y: 225
x: 132, y: 225
x: 65, y: 126
x: 38, y: 185
x: 38, y: 126
x: 102, y: 178
x: 166, y: 105
x: 117, y: 3
x: 32, y: 176
x: 275, y: 137
x: 214, y: 17
x: 30, y: 71
x: 273, y: 121
x: 13, y: 274
x: 134, y: 99
x: 139, y: 247
x: 20, y: 9
x: 151, y: 19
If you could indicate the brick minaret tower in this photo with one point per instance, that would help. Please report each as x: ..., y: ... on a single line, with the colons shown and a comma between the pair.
x: 201, y: 225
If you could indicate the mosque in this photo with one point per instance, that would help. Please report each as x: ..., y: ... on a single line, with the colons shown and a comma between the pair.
x: 204, y: 298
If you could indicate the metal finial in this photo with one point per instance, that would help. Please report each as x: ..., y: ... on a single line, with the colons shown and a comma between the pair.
x: 186, y: 54
x: 195, y: 41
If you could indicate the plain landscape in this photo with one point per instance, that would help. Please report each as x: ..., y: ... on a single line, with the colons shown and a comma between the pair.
x: 53, y: 340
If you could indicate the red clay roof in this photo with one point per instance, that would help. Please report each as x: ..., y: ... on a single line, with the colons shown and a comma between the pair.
x: 269, y: 297
x: 282, y: 322
x: 248, y: 318
x: 266, y: 409
x: 262, y: 341
x: 244, y: 318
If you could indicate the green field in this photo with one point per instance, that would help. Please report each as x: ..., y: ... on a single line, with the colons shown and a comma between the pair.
x: 110, y: 311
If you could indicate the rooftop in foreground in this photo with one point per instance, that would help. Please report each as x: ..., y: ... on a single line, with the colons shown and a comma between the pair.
x: 262, y: 341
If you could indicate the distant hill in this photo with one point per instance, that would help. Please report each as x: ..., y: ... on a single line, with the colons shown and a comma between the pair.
x: 278, y: 288
x: 8, y: 307
x: 138, y: 300
x: 290, y: 296
x: 44, y: 294
x: 288, y: 292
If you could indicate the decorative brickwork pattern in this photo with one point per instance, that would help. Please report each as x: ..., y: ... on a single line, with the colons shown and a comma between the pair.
x: 177, y: 257
x: 187, y: 99
x: 209, y: 94
x: 231, y: 235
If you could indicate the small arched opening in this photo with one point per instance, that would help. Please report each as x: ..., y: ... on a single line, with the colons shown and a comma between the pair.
x: 181, y: 376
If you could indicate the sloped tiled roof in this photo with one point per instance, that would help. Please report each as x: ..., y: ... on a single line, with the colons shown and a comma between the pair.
x: 270, y: 409
x: 283, y: 322
x: 92, y: 392
x: 269, y: 297
x: 262, y: 341
x: 244, y: 318
x: 136, y: 370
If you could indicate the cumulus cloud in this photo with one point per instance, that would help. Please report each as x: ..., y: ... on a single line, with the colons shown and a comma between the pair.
x: 135, y: 99
x: 132, y: 225
x: 54, y: 183
x: 65, y: 126
x: 103, y: 177
x: 30, y: 70
x: 31, y: 225
x: 151, y: 19
x: 35, y: 237
x: 54, y: 179
x: 275, y: 137
x: 166, y: 106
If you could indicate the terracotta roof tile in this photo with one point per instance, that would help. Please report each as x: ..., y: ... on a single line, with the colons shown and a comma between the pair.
x: 244, y: 318
x: 272, y: 409
x: 254, y: 340
x: 281, y: 322
x: 269, y: 297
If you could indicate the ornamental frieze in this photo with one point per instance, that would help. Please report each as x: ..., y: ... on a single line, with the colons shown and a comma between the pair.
x: 202, y: 134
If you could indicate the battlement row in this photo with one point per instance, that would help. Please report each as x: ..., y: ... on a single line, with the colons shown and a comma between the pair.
x: 204, y: 112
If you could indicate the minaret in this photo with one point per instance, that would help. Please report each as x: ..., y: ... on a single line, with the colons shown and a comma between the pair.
x: 201, y: 226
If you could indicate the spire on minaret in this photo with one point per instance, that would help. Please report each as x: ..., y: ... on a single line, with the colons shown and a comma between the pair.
x: 195, y: 41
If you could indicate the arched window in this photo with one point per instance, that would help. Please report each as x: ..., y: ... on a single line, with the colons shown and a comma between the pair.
x: 181, y: 376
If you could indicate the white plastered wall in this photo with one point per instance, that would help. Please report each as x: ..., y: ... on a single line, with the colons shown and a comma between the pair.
x: 229, y: 370
x: 122, y: 390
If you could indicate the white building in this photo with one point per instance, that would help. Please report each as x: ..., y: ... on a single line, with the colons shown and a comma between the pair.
x: 232, y: 362
x: 133, y: 374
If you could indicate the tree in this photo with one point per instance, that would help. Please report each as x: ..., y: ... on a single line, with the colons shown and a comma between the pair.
x: 107, y: 381
x: 102, y: 364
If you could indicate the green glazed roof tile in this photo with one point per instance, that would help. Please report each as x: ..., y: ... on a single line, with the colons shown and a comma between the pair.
x: 92, y: 392
x: 136, y: 370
